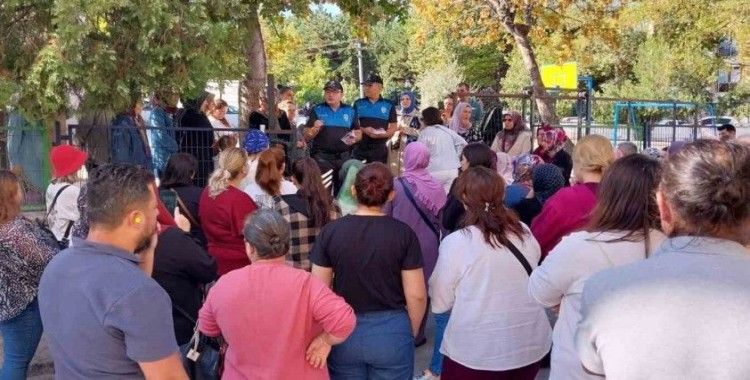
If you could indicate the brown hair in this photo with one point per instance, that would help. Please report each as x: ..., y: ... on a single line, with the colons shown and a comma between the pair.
x: 220, y: 103
x: 374, y: 184
x: 431, y: 116
x: 9, y: 188
x: 707, y: 185
x: 482, y: 191
x: 319, y: 200
x: 270, y: 170
x: 226, y: 141
x: 627, y: 199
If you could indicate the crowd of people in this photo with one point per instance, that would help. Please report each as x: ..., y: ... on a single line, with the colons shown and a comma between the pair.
x: 234, y: 261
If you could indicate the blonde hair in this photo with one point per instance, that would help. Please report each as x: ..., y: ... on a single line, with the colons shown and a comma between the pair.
x: 594, y: 154
x: 230, y: 164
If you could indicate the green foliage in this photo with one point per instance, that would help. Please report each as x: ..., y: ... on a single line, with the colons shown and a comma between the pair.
x: 437, y: 82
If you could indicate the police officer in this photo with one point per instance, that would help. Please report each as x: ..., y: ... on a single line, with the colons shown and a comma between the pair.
x: 377, y: 120
x: 328, y: 129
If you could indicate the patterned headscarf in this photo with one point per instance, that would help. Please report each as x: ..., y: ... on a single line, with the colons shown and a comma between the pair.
x: 554, y: 138
x: 547, y: 180
x: 652, y: 152
x: 523, y: 167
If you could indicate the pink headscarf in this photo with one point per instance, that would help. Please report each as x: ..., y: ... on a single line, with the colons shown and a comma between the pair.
x: 455, y: 123
x: 428, y: 191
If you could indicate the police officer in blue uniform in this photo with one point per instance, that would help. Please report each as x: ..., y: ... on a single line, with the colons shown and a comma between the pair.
x: 377, y: 120
x: 328, y: 129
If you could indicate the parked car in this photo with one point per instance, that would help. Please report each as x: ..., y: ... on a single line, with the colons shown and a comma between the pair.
x: 233, y: 116
x: 715, y: 121
x: 671, y: 122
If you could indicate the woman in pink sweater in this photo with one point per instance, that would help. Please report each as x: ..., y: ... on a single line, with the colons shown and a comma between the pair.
x: 279, y: 322
x: 570, y: 208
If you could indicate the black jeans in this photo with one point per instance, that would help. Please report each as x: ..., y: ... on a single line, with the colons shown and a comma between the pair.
x: 372, y: 153
x: 332, y: 161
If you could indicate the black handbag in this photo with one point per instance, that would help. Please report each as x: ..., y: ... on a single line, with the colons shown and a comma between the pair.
x: 203, y: 356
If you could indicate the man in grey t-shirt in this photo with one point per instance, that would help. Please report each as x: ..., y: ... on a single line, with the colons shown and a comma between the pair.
x: 104, y: 317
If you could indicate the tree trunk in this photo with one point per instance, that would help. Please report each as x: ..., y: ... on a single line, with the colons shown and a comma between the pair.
x: 255, y: 80
x: 520, y: 35
x: 543, y: 101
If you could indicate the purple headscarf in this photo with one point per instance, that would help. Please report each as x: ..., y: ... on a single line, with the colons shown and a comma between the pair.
x: 428, y: 191
x: 455, y: 123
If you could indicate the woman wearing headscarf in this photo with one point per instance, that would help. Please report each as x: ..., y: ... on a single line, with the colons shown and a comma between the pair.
x: 547, y: 180
x: 523, y: 168
x: 348, y: 172
x: 408, y: 130
x: 551, y: 149
x: 461, y: 123
x: 505, y: 167
x: 195, y: 134
x: 418, y: 199
x: 570, y: 208
x: 514, y: 138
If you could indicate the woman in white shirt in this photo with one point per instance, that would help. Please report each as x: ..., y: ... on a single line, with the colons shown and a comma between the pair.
x: 269, y: 179
x: 445, y: 147
x: 62, y: 193
x: 495, y: 329
x: 624, y: 229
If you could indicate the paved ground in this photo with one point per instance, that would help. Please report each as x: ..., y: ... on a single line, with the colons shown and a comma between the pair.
x: 41, y: 366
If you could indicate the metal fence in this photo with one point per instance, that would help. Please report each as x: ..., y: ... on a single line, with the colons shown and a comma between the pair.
x: 152, y: 148
x: 645, y: 122
x: 25, y: 152
x: 27, y: 146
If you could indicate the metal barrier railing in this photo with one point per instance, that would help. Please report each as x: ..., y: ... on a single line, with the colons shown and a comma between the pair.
x: 126, y: 144
x: 27, y: 155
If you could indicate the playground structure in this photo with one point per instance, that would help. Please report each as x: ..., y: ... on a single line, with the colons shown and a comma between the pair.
x: 646, y: 122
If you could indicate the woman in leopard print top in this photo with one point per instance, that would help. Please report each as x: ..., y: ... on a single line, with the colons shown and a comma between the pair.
x: 25, y: 250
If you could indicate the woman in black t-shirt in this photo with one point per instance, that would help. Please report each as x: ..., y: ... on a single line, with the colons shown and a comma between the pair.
x: 377, y: 262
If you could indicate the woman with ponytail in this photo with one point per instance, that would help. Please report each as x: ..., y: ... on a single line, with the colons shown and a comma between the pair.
x: 496, y: 330
x: 269, y: 179
x: 223, y: 209
x: 307, y: 211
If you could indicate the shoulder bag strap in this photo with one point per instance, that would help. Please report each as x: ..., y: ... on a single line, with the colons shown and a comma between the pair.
x: 519, y: 257
x: 185, y: 211
x: 419, y: 209
x: 54, y: 201
x: 184, y: 313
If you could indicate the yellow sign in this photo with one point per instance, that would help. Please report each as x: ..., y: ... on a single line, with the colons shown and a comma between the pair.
x: 564, y: 76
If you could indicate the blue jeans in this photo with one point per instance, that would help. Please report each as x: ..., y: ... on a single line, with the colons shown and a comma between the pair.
x: 21, y: 336
x: 441, y: 321
x: 381, y: 347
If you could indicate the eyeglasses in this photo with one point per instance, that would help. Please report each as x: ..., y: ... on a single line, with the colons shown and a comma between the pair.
x: 507, y: 119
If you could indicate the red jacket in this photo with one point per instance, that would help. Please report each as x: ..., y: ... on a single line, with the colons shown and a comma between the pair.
x: 567, y: 211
